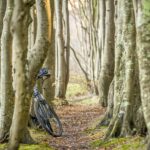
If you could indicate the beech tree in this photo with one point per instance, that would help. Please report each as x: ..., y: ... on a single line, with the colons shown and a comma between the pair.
x: 127, y: 109
x: 62, y: 48
x: 48, y: 86
x: 143, y: 43
x: 26, y: 65
x: 122, y: 121
x: 114, y: 55
x: 123, y: 59
x: 107, y: 66
x: 6, y: 96
x: 2, y: 12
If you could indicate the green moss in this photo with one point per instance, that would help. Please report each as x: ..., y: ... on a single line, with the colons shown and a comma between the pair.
x: 130, y: 143
x: 85, y: 101
x: 146, y: 7
x: 2, y: 146
x: 40, y: 136
x: 96, y: 143
x: 35, y: 147
x: 29, y: 147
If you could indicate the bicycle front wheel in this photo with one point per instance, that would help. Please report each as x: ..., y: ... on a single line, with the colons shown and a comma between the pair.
x: 48, y: 118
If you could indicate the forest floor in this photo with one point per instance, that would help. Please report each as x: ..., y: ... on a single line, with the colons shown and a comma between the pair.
x: 79, y: 119
x: 78, y: 122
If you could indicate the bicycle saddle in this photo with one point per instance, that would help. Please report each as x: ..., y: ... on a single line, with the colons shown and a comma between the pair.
x: 43, y: 72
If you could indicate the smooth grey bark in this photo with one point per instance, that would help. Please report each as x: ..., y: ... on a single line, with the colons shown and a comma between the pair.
x: 109, y: 111
x: 94, y: 49
x: 126, y: 89
x: 101, y: 31
x: 107, y: 66
x: 2, y: 12
x: 6, y: 90
x: 20, y: 22
x: 61, y: 64
x: 22, y: 75
x: 143, y: 43
x: 32, y: 28
x: 66, y: 39
x: 48, y: 86
x: 38, y: 53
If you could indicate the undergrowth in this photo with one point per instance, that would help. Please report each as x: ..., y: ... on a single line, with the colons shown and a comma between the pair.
x: 127, y: 143
x: 76, y: 86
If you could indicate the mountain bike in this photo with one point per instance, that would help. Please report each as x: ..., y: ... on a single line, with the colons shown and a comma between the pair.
x: 45, y: 113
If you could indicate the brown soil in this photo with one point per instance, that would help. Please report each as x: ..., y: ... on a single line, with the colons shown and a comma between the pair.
x: 77, y: 121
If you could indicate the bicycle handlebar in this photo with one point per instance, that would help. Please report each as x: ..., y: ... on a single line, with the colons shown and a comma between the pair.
x: 43, y: 73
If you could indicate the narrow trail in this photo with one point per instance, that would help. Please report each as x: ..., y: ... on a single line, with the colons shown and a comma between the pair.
x: 76, y: 120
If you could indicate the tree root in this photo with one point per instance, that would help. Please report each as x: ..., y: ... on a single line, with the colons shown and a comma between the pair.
x: 4, y: 138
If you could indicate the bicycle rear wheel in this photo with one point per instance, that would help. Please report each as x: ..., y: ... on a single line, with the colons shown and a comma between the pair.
x: 48, y: 118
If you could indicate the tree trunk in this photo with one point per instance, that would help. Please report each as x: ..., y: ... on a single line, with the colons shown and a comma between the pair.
x: 2, y: 13
x: 48, y: 86
x: 31, y: 41
x: 107, y: 66
x: 19, y: 31
x: 66, y: 39
x: 61, y: 67
x: 6, y: 97
x: 23, y: 77
x: 101, y: 34
x: 32, y: 28
x: 126, y: 98
x: 109, y: 111
x: 93, y: 51
x: 143, y: 41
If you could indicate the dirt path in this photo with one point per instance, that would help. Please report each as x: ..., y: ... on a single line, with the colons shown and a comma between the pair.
x: 76, y: 120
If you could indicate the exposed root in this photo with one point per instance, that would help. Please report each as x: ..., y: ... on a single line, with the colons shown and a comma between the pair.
x: 4, y: 138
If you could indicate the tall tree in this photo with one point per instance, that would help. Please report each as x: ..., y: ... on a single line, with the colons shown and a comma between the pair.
x: 26, y: 68
x: 66, y: 39
x: 101, y: 31
x: 143, y: 41
x: 19, y: 32
x: 127, y: 104
x: 2, y: 12
x: 107, y: 66
x: 62, y: 49
x: 48, y: 86
x: 6, y: 97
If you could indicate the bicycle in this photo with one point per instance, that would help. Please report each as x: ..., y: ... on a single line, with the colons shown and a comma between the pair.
x: 45, y: 114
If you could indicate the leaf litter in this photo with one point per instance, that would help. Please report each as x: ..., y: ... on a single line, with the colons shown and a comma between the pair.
x: 77, y: 121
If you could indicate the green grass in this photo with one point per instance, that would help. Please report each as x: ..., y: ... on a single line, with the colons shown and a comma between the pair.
x: 29, y: 147
x: 75, y: 89
x: 77, y: 92
x: 128, y: 143
x: 39, y: 136
x: 2, y: 146
x: 76, y: 86
x: 90, y: 101
x: 35, y: 147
